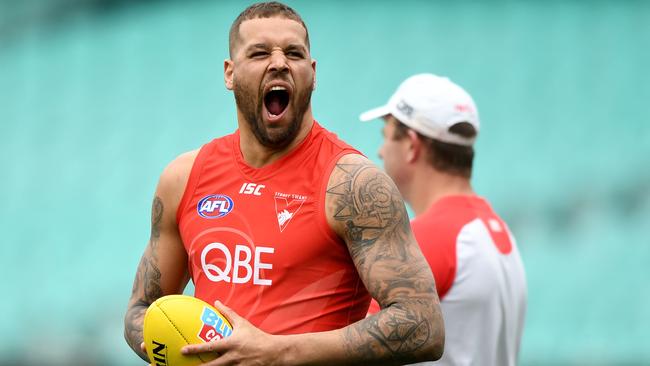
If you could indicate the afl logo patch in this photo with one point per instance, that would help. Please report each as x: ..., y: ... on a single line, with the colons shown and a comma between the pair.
x: 215, y: 206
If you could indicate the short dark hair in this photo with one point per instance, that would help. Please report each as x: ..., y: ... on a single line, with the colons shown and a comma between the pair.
x: 449, y: 158
x: 264, y: 10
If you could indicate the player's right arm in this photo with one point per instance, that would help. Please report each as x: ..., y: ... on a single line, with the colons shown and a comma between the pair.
x: 163, y: 266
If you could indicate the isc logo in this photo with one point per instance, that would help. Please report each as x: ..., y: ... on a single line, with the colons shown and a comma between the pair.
x: 215, y: 206
x: 251, y: 188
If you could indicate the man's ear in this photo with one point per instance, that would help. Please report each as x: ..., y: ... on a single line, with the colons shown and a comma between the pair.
x: 415, y: 146
x: 313, y: 67
x: 228, y: 73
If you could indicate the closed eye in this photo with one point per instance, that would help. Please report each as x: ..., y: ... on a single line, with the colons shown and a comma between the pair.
x: 295, y: 55
x: 258, y: 54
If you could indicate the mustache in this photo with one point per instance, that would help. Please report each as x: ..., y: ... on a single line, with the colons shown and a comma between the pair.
x: 281, y: 75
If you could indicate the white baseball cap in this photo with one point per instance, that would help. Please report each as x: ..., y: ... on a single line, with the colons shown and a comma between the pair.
x: 430, y: 105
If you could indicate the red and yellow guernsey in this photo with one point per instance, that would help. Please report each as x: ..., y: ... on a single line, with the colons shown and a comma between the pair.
x: 258, y: 239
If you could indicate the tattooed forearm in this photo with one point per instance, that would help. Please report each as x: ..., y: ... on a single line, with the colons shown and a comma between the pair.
x: 375, y: 225
x: 152, y: 288
x: 400, y: 333
x: 133, y: 327
x: 149, y: 264
x: 409, y: 281
x: 146, y: 286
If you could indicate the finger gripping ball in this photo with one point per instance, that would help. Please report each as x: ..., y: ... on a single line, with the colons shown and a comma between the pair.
x: 175, y: 321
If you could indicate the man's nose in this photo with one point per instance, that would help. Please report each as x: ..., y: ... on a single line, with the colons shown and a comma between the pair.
x: 278, y: 61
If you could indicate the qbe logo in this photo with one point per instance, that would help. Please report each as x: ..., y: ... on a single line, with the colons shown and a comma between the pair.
x: 242, y: 266
x: 215, y: 206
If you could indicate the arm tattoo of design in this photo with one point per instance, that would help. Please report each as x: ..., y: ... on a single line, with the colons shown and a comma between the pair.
x: 147, y: 280
x: 156, y: 217
x: 133, y: 327
x: 397, y: 333
x: 370, y: 206
x: 371, y: 209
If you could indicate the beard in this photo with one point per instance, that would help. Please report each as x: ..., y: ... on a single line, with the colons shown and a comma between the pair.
x: 250, y: 103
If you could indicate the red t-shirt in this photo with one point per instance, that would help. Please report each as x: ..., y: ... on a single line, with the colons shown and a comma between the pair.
x: 480, y: 279
x: 258, y: 239
x: 437, y: 229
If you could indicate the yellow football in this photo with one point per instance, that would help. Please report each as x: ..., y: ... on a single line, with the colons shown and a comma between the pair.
x: 175, y: 321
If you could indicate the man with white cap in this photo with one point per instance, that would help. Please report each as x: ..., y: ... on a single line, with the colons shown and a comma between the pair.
x: 430, y: 128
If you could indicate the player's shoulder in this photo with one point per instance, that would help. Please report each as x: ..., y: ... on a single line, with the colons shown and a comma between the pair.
x: 357, y: 169
x: 363, y: 205
x: 175, y: 175
x: 356, y: 180
x: 354, y: 158
x: 351, y: 165
x: 181, y: 165
x: 449, y: 214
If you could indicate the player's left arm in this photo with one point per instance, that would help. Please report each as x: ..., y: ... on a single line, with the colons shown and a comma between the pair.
x: 163, y: 265
x: 365, y: 208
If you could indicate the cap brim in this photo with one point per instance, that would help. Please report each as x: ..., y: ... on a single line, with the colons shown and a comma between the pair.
x: 374, y: 113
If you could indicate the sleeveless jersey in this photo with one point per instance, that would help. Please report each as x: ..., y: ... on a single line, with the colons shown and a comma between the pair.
x: 479, y: 277
x: 258, y: 239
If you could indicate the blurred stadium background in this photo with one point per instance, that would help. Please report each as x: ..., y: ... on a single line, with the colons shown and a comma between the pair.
x: 97, y: 96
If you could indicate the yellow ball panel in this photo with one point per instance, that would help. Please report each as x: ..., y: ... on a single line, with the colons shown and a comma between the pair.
x: 174, y: 321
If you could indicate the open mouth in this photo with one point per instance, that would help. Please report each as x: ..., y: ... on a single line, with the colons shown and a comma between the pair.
x: 276, y: 100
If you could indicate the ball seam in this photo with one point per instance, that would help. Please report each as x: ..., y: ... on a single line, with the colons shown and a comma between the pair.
x: 177, y: 330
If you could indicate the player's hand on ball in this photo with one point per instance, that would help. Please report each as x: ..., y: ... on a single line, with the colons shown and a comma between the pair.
x: 247, y: 345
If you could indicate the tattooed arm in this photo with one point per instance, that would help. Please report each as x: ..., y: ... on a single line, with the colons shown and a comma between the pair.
x: 365, y: 208
x: 163, y: 266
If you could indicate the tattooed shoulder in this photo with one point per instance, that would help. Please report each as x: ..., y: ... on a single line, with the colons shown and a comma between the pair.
x: 364, y: 204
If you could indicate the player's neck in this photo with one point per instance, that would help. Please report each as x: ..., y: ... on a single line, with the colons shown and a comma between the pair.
x: 429, y: 185
x: 257, y: 155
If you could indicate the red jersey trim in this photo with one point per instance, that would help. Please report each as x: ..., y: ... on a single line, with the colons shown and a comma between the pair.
x: 270, y: 170
x: 322, y: 197
x: 345, y: 150
x: 498, y: 229
x: 437, y: 232
x: 449, y: 281
x: 321, y: 210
